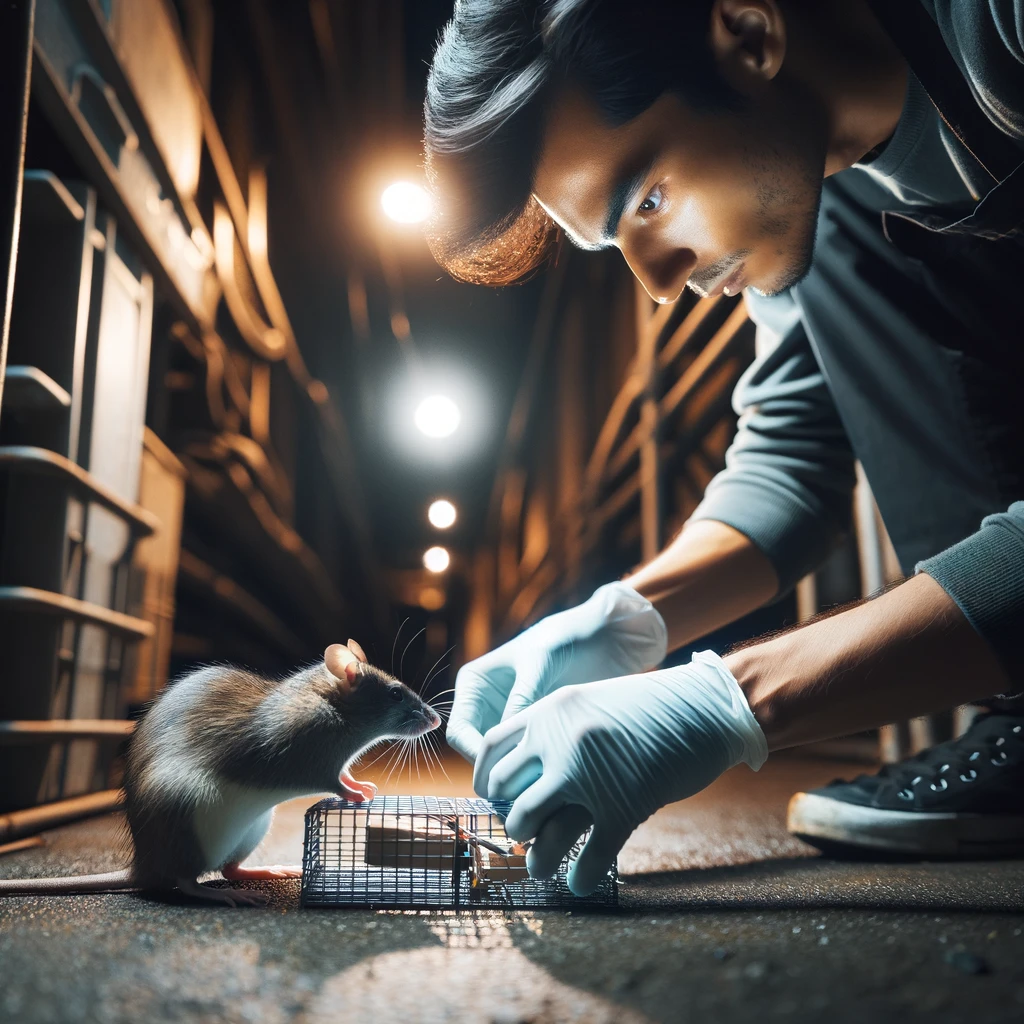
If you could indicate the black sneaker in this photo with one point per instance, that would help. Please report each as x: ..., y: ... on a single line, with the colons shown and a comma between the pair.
x: 961, y: 799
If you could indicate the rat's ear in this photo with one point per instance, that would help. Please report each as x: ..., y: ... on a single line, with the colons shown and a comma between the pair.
x: 343, y: 665
x: 356, y: 650
x: 337, y: 658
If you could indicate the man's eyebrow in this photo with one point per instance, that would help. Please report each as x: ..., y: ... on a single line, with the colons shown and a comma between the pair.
x: 624, y: 190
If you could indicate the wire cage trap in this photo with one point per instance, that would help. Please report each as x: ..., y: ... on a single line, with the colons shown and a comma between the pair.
x: 414, y: 852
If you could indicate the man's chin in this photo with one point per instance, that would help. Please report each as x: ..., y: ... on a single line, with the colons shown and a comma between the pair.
x: 785, y: 279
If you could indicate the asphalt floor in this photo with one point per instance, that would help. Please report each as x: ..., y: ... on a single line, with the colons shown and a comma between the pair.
x: 723, y: 917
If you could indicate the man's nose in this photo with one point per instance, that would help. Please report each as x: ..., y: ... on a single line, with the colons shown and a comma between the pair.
x: 663, y: 274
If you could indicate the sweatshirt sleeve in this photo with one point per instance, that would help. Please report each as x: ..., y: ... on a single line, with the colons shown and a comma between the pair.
x: 986, y: 39
x: 789, y: 472
x: 984, y: 574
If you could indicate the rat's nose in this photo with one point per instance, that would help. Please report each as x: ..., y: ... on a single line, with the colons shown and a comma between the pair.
x: 433, y: 718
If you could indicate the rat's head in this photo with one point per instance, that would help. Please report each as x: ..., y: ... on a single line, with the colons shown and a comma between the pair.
x: 372, y: 702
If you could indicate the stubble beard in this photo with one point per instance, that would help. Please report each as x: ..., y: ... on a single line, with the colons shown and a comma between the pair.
x: 787, y: 215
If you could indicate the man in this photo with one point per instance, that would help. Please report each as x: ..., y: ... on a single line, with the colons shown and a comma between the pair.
x: 753, y: 145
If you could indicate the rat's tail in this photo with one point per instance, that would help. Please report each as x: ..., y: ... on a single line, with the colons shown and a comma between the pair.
x: 109, y: 881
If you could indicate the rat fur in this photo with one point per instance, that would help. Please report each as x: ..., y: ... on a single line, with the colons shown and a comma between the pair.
x: 220, y: 748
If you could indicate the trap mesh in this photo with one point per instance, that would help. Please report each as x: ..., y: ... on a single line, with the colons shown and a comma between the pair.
x: 408, y: 852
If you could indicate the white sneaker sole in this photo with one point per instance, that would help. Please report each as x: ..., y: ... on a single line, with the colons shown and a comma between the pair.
x: 966, y: 836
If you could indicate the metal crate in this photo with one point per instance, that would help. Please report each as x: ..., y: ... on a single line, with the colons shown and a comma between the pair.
x: 409, y: 852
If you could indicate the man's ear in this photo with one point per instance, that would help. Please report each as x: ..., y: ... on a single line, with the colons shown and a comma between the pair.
x: 748, y: 39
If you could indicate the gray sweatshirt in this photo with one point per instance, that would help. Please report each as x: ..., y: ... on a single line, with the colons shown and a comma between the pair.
x: 909, y: 368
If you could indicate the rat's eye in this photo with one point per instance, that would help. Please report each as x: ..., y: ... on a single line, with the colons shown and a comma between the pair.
x: 396, y: 694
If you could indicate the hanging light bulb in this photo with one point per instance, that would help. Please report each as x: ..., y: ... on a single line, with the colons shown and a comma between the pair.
x: 441, y: 514
x: 438, y: 416
x: 436, y: 559
x: 405, y: 202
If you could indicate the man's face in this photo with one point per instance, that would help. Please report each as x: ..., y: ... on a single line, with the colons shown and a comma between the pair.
x: 714, y: 200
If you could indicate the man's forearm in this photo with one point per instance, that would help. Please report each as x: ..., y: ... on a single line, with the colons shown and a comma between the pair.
x: 906, y: 653
x: 709, y: 576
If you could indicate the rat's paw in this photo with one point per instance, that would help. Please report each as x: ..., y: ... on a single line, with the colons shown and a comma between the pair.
x: 352, y: 789
x: 236, y: 873
x: 244, y: 897
x: 231, y: 897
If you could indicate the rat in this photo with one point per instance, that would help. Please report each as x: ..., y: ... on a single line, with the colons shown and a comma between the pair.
x: 220, y: 748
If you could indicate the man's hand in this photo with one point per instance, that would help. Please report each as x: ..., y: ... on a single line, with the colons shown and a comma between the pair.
x: 611, y: 753
x: 616, y: 632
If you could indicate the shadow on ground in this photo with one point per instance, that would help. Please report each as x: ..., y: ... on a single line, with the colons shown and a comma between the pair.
x: 724, y: 917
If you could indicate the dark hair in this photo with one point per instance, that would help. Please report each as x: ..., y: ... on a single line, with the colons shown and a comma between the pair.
x: 493, y: 73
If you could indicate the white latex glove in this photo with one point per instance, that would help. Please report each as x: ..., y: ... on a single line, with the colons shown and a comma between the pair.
x: 614, y: 633
x: 611, y: 753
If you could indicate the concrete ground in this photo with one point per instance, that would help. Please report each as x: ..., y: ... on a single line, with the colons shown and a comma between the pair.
x: 724, y: 917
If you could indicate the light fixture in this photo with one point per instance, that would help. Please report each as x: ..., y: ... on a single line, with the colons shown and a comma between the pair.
x: 438, y: 416
x: 406, y: 202
x: 442, y: 414
x: 436, y: 559
x: 441, y: 514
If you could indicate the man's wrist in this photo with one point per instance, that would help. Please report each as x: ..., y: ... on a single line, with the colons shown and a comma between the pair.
x: 710, y: 575
x: 757, y: 671
x: 906, y: 653
x: 783, y: 679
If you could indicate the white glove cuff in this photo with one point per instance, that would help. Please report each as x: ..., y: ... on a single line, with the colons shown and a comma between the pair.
x: 619, y: 606
x: 736, y: 711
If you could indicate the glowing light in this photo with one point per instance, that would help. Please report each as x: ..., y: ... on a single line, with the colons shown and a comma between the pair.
x: 405, y: 202
x: 436, y: 559
x: 441, y: 514
x: 438, y: 416
x: 432, y: 599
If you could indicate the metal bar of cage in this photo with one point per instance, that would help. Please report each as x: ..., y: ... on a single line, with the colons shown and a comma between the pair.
x: 408, y: 853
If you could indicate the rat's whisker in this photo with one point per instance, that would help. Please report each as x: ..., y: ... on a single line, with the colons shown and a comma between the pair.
x: 401, y: 664
x: 443, y: 693
x: 409, y: 757
x: 425, y: 747
x: 389, y: 747
x: 392, y: 753
x: 395, y: 644
x: 434, y: 744
x: 399, y: 751
x: 436, y: 663
x: 433, y: 758
x: 395, y: 764
x: 435, y: 674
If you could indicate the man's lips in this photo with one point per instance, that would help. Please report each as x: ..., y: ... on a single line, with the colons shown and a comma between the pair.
x: 732, y: 284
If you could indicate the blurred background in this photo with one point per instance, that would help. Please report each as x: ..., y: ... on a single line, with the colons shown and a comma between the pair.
x: 245, y: 415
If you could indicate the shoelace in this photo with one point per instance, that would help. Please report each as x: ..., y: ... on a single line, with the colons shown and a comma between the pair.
x: 952, y: 761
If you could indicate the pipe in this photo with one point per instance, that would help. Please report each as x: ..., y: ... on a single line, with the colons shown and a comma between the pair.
x: 16, y: 824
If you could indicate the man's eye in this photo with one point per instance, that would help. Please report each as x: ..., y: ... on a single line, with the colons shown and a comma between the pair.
x: 652, y: 202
